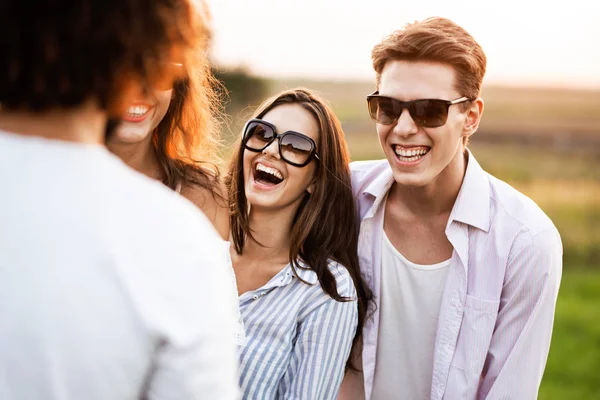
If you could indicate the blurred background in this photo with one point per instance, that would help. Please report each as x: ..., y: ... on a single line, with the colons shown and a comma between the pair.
x: 540, y: 130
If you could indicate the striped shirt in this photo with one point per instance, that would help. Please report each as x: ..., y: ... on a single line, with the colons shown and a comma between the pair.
x: 298, y: 337
x: 495, y: 322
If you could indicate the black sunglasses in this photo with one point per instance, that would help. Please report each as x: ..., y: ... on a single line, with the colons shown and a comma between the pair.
x: 429, y: 113
x: 294, y: 147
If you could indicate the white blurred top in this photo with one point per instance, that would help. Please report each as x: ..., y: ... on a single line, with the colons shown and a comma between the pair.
x: 110, y: 285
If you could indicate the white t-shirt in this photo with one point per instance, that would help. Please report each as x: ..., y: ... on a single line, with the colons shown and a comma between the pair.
x: 411, y: 296
x: 111, y: 285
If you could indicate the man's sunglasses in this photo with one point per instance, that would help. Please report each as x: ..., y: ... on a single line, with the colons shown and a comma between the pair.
x: 429, y: 113
x: 294, y: 147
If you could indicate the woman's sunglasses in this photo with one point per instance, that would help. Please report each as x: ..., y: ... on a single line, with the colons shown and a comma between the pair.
x: 429, y: 113
x: 294, y: 147
x: 175, y: 73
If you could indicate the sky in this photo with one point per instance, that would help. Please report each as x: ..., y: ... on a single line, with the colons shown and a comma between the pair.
x: 527, y: 42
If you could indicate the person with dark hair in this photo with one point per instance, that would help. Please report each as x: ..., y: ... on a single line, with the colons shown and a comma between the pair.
x: 465, y: 270
x: 109, y: 285
x: 294, y: 232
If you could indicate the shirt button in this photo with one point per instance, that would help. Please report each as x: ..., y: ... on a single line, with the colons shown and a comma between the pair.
x: 255, y: 297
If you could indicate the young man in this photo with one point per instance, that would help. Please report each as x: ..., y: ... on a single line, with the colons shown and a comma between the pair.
x: 465, y: 269
x: 110, y: 287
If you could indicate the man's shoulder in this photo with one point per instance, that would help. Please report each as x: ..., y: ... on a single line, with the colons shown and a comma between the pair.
x: 149, y: 199
x: 128, y: 207
x: 174, y: 219
x: 365, y: 167
x: 365, y: 172
x: 512, y: 205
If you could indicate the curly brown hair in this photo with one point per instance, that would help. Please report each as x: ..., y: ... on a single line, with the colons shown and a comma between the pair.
x: 186, y: 139
x: 62, y: 53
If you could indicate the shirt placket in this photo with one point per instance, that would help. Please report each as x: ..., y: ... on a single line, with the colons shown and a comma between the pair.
x: 451, y: 311
x: 283, y: 278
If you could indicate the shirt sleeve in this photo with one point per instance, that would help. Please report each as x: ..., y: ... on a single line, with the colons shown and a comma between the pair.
x: 322, y: 348
x: 520, y: 344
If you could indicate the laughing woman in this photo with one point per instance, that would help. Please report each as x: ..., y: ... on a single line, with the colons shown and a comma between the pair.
x: 294, y: 235
x: 170, y: 135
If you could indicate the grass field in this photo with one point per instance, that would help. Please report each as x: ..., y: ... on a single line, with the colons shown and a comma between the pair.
x: 546, y: 143
x: 573, y: 367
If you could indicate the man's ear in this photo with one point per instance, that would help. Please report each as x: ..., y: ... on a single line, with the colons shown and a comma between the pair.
x: 473, y: 113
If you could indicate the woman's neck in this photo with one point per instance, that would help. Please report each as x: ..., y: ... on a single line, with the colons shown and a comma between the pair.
x: 140, y: 156
x: 271, y: 233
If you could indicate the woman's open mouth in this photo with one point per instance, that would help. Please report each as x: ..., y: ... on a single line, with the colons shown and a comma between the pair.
x: 267, y: 176
x: 137, y: 113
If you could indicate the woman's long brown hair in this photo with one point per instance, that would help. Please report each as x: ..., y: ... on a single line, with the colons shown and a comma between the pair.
x: 325, y: 226
x: 186, y: 140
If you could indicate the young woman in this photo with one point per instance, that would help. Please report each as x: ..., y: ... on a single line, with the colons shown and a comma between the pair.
x: 170, y: 135
x: 294, y: 234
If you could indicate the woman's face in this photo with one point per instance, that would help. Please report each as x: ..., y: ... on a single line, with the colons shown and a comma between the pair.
x: 143, y: 116
x: 271, y: 183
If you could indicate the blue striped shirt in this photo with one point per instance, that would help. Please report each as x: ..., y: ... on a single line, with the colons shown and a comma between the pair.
x: 299, y: 338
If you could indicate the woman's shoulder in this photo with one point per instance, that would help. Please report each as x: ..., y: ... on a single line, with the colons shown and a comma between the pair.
x: 344, y: 283
x: 317, y: 300
x: 212, y: 202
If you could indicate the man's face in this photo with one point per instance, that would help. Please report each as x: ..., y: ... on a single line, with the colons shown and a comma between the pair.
x: 419, y: 155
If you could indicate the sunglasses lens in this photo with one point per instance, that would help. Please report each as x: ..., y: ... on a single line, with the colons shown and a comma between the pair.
x: 295, y: 148
x: 429, y: 113
x: 258, y: 136
x: 384, y: 110
x: 175, y: 72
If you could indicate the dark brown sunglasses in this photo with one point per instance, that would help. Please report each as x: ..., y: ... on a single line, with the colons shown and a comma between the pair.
x: 429, y: 113
x: 295, y: 148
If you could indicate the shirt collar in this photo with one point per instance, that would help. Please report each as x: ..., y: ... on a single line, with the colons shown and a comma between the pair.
x: 378, y: 189
x: 307, y: 275
x: 286, y: 275
x: 472, y: 206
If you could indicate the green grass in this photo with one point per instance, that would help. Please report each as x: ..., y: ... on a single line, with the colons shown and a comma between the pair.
x: 574, y: 362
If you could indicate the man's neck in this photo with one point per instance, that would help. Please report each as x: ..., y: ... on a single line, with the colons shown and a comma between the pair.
x: 437, y: 197
x: 83, y: 124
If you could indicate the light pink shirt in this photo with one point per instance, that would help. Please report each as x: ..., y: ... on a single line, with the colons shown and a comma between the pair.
x: 495, y: 322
